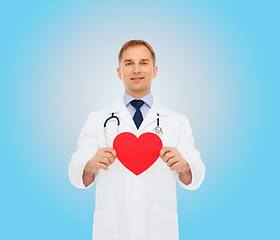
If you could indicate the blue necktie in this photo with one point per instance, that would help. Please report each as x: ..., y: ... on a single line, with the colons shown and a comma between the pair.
x: 138, y: 118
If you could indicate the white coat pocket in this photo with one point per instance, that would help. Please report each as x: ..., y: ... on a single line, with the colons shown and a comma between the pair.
x: 164, y: 224
x: 105, y: 224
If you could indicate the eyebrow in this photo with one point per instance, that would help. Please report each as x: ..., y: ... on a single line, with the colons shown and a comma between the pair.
x: 143, y: 59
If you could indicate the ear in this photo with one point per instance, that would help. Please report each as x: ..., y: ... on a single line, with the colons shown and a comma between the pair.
x: 155, y: 69
x: 119, y: 73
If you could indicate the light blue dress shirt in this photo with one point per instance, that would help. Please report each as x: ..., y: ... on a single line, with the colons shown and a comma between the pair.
x: 148, y: 99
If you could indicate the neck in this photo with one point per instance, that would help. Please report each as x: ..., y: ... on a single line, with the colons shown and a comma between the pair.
x: 138, y: 95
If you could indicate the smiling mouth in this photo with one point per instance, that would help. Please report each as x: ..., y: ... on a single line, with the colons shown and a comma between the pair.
x: 137, y: 78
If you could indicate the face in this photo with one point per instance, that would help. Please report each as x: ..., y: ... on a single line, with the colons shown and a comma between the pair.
x: 136, y: 70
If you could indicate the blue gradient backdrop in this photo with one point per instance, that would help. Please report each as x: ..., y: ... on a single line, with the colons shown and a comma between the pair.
x: 218, y: 59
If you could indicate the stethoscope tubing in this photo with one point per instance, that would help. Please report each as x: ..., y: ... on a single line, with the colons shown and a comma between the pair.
x: 157, y: 129
x: 111, y: 117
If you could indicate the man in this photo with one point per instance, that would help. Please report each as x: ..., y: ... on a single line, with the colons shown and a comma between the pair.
x: 130, y: 206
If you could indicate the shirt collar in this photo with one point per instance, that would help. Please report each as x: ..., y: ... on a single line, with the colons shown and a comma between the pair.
x: 148, y: 99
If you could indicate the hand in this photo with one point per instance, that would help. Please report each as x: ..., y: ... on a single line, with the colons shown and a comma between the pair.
x: 173, y: 159
x: 176, y: 162
x: 103, y: 158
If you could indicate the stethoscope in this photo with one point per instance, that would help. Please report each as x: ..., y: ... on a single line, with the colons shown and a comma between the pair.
x: 157, y: 129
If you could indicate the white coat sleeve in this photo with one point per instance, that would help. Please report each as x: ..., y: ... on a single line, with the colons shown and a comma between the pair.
x: 86, y: 149
x: 191, y: 155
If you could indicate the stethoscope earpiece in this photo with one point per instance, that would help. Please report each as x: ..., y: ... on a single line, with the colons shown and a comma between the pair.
x: 111, y: 117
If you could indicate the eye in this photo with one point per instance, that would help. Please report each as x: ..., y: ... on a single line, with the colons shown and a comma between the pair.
x: 144, y: 63
x: 127, y: 64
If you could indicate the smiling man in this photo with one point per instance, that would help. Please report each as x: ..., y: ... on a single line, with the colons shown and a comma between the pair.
x: 142, y: 206
x: 137, y: 69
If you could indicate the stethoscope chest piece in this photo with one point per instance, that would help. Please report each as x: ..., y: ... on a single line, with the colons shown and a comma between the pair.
x: 158, y: 130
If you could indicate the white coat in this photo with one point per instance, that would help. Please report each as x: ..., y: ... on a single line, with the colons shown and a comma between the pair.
x: 130, y: 207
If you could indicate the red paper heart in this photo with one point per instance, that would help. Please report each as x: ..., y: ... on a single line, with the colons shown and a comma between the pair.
x: 137, y: 154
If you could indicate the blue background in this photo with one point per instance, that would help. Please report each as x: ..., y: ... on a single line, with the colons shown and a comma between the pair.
x: 218, y: 64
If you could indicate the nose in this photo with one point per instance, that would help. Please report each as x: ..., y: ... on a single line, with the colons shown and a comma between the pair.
x: 136, y: 68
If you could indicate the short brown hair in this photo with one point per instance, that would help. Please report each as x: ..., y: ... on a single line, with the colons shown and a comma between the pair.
x: 132, y: 43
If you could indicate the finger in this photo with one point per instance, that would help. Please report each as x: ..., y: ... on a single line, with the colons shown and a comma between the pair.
x: 112, y: 151
x: 168, y: 155
x: 164, y: 157
x: 109, y: 156
x: 105, y: 149
x: 105, y: 161
x: 175, y: 166
x: 165, y: 150
x: 103, y: 166
x: 172, y: 162
x: 102, y: 150
x: 168, y: 149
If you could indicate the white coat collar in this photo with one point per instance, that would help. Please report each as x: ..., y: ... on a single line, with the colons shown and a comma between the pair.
x: 121, y: 111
